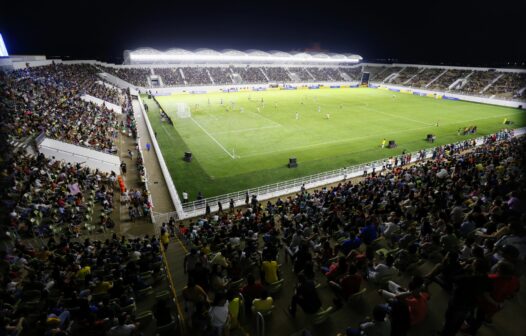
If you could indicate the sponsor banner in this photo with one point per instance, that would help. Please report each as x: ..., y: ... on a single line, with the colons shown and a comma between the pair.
x: 259, y: 89
x: 406, y: 91
x: 421, y: 94
x: 274, y: 89
x: 394, y: 90
x: 230, y: 90
x: 303, y: 87
x: 290, y: 88
x: 335, y: 86
x: 354, y: 86
x: 345, y: 86
x: 449, y: 98
x: 198, y: 92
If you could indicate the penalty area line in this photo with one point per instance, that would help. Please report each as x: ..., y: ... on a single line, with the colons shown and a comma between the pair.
x: 232, y: 156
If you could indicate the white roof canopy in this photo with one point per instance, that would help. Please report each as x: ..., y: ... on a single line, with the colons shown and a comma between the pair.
x: 205, y: 56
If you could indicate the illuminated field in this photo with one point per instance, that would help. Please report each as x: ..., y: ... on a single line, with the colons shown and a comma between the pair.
x: 235, y: 146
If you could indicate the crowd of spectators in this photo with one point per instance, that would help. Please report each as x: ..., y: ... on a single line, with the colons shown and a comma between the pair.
x: 135, y: 76
x: 405, y: 74
x: 443, y: 83
x: 170, y: 76
x: 302, y: 74
x: 425, y: 77
x: 478, y: 81
x: 221, y: 75
x: 354, y: 73
x: 277, y: 74
x: 463, y: 210
x: 196, y: 76
x: 47, y: 100
x: 508, y: 85
x: 70, y: 287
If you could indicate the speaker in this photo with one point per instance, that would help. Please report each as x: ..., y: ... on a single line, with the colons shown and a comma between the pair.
x: 392, y: 144
x: 188, y: 156
x: 292, y: 162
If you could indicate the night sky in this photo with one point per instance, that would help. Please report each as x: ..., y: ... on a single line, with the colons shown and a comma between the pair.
x: 447, y: 32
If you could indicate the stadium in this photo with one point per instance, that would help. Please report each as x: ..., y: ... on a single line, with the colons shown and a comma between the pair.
x: 249, y: 192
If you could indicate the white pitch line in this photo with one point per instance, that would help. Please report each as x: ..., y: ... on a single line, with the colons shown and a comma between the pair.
x: 370, y: 136
x: 247, y: 129
x: 214, y: 139
x: 394, y: 115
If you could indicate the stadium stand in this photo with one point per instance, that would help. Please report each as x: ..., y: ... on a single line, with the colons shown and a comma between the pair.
x: 250, y: 74
x: 220, y: 76
x: 46, y: 99
x: 508, y: 85
x: 385, y: 75
x: 277, y: 74
x: 302, y: 73
x: 353, y: 73
x: 169, y: 76
x: 424, y: 77
x: 405, y: 75
x: 135, y: 76
x: 443, y: 83
x: 196, y: 76
x: 478, y: 81
x: 413, y: 220
x: 375, y: 72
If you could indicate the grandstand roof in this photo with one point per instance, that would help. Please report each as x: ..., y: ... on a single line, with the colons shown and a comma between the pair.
x: 207, y: 56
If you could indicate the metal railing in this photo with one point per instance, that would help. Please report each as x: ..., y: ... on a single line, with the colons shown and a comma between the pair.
x: 290, y: 186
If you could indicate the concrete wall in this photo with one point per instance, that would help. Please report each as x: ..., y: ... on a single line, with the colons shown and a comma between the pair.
x: 77, y: 154
x: 100, y: 102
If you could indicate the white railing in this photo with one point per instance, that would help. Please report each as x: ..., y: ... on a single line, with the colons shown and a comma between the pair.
x: 198, y: 207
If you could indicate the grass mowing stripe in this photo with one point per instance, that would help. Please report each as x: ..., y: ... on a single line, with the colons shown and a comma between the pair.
x: 211, y: 137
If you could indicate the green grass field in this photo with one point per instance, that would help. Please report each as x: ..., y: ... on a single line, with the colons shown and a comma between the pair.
x: 235, y: 146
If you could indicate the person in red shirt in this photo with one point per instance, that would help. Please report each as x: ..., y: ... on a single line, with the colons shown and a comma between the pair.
x: 346, y: 286
x: 503, y: 285
x: 416, y: 298
x: 253, y: 290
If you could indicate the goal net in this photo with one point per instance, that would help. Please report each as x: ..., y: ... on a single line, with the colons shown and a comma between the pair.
x: 183, y: 111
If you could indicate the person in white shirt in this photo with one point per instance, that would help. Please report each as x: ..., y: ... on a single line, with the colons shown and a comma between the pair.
x: 219, y: 316
x: 382, y: 271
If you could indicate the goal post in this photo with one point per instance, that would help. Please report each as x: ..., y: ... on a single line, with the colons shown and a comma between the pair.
x: 183, y: 111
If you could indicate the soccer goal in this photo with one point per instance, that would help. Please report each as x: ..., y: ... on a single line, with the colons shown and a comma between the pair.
x: 183, y: 111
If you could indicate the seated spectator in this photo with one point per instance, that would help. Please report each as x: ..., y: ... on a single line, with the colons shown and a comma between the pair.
x: 347, y: 285
x: 414, y: 296
x: 380, y: 325
x: 382, y: 271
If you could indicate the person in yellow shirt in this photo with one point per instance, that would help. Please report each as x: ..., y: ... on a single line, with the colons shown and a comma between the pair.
x: 383, y: 143
x: 270, y: 271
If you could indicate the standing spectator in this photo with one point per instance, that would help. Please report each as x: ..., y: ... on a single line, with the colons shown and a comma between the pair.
x: 185, y: 197
x: 148, y: 146
x: 123, y: 167
x: 306, y: 297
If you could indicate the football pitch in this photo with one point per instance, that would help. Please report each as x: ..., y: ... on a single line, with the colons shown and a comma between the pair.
x: 242, y: 140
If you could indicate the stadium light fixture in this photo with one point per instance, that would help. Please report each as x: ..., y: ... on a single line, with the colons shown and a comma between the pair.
x: 160, y: 57
x: 3, y: 49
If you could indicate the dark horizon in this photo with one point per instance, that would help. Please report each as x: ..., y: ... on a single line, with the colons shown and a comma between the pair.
x: 470, y: 33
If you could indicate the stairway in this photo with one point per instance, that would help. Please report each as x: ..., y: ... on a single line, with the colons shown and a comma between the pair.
x: 264, y: 74
x: 210, y: 76
x: 182, y: 75
x: 311, y: 76
x: 491, y: 83
x: 435, y: 79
